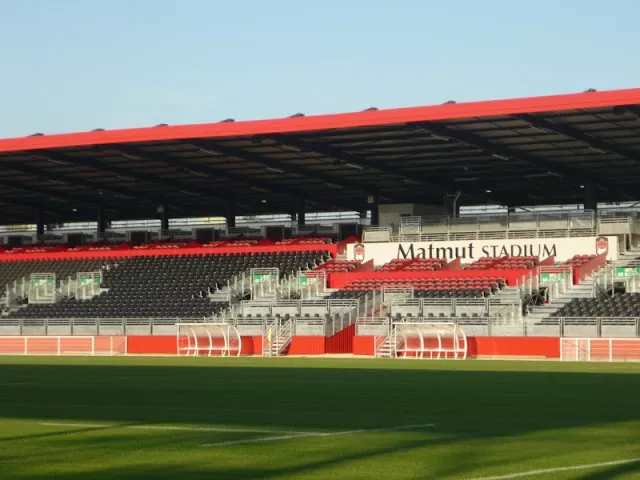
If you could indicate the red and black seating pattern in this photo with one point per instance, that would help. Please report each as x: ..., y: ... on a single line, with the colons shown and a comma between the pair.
x: 504, y: 263
x: 414, y: 265
x: 580, y: 260
x: 427, y: 288
x: 339, y: 266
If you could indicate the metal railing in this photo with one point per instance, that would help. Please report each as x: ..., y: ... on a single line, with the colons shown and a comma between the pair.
x: 92, y: 326
x: 557, y: 279
x: 293, y: 308
x: 456, y: 307
x: 601, y: 327
x: 588, y: 327
x: 625, y: 275
x: 501, y: 226
x: 381, y: 336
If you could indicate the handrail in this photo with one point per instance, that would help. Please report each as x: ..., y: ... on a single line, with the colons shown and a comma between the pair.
x: 499, y: 226
x: 597, y: 322
x: 381, y: 335
x: 269, y: 332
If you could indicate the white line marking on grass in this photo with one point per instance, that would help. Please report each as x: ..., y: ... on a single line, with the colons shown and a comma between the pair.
x: 258, y: 440
x: 173, y: 428
x: 325, y: 434
x: 385, y: 429
x: 80, y: 425
x: 531, y: 473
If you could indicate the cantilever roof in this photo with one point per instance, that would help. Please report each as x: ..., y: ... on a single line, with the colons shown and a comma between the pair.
x: 514, y: 152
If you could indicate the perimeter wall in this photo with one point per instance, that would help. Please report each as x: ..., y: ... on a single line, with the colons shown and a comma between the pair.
x: 345, y: 342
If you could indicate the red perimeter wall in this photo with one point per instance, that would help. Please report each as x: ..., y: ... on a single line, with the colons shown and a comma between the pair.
x: 341, y: 342
x: 346, y: 342
x: 547, y: 347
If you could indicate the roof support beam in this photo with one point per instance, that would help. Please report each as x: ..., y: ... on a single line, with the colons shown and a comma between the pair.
x: 276, y: 165
x: 56, y: 196
x: 633, y: 109
x: 546, y: 166
x: 31, y: 205
x: 61, y: 178
x: 440, y: 184
x: 205, y: 171
x: 569, y: 131
x: 346, y: 158
x: 128, y: 173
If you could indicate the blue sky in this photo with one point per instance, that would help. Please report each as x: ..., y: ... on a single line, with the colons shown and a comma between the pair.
x: 74, y: 65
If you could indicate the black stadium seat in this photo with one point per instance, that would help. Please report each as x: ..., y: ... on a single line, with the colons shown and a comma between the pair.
x: 169, y: 286
x: 623, y: 305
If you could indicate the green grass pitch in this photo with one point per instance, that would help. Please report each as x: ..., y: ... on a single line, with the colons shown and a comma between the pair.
x: 288, y: 418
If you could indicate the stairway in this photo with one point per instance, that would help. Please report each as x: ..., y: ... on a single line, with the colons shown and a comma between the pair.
x: 386, y: 350
x: 281, y: 334
x: 508, y: 294
x: 543, y: 312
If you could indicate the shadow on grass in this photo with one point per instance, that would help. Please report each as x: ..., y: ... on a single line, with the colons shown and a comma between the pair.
x: 465, y: 405
x: 63, y: 433
x: 617, y: 471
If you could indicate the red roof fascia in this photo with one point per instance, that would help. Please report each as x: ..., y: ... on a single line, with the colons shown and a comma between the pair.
x: 327, y: 122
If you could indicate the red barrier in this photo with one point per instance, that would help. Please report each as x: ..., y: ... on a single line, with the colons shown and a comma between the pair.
x: 342, y: 279
x: 365, y: 267
x: 152, y: 345
x: 580, y: 273
x: 341, y: 342
x: 331, y: 248
x: 251, y: 345
x: 548, y: 262
x: 167, y: 345
x: 307, y: 345
x: 346, y: 342
x: 363, y: 345
x: 453, y: 265
x: 544, y: 347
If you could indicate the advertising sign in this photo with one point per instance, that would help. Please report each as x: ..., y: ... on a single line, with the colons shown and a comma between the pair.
x: 264, y: 277
x: 627, y: 271
x: 552, y: 277
x: 469, y: 251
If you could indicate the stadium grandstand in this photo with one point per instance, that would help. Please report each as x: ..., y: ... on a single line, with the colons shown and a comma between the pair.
x: 405, y: 232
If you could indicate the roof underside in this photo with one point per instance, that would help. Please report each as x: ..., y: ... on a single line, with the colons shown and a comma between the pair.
x: 512, y: 153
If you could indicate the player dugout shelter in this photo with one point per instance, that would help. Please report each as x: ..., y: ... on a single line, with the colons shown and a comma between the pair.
x: 577, y: 148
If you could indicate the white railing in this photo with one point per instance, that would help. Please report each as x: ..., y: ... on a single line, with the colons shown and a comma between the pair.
x: 606, y: 279
x: 588, y: 327
x: 294, y: 308
x: 604, y: 327
x: 496, y: 226
x: 557, y: 279
x: 87, y: 285
x: 381, y: 336
x: 17, y: 290
x: 600, y: 349
x: 63, y: 345
x: 285, y: 332
x: 377, y: 234
x: 457, y: 307
x: 269, y: 334
x: 92, y: 326
x: 276, y: 336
